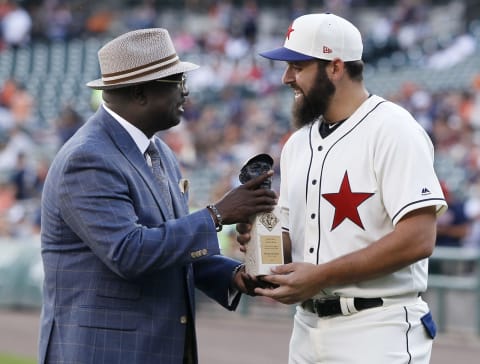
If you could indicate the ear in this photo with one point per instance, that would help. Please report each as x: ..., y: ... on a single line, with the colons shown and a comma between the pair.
x: 336, y: 69
x: 138, y: 95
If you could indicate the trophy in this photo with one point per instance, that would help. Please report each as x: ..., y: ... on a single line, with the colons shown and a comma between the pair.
x: 265, y: 248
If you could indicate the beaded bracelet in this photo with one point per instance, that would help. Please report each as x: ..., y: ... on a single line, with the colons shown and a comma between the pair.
x: 218, y: 217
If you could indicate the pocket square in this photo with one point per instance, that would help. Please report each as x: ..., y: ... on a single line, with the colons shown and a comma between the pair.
x: 183, y: 184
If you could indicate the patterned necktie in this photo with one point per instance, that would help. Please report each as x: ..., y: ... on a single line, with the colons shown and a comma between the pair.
x: 160, y: 176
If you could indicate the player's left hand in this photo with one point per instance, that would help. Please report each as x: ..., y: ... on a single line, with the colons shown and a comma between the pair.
x: 293, y: 282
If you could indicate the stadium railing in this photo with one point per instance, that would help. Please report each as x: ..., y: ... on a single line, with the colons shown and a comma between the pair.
x: 21, y: 277
x: 440, y: 283
x: 21, y: 273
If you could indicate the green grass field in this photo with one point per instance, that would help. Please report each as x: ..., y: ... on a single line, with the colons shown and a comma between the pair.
x: 8, y: 359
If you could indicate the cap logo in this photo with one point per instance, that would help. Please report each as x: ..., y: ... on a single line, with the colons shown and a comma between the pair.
x: 327, y: 49
x: 289, y: 30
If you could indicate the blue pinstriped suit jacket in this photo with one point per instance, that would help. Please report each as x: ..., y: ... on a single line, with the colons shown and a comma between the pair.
x: 119, y: 276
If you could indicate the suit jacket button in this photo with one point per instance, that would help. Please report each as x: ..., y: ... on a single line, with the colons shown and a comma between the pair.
x: 183, y: 319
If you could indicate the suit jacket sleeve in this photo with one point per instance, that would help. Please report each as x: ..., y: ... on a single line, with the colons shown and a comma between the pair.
x: 214, y: 272
x: 112, y: 211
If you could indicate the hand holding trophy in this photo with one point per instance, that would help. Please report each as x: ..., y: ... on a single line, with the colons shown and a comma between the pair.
x: 265, y: 248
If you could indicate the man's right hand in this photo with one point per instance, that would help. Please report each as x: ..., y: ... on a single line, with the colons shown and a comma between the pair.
x: 241, y: 203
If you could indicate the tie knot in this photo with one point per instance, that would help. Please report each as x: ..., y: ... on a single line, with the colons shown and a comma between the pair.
x: 152, y: 151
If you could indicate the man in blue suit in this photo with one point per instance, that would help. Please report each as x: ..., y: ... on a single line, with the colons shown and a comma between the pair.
x: 121, y: 253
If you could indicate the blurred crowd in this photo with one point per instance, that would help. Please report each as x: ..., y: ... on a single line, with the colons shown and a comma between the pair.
x: 237, y: 106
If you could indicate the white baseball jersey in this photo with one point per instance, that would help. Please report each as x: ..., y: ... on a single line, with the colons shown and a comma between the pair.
x: 341, y: 193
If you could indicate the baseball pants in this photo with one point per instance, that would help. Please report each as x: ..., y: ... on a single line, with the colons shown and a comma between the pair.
x: 394, y: 333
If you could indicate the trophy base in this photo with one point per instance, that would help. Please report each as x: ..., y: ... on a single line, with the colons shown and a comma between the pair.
x: 265, y: 248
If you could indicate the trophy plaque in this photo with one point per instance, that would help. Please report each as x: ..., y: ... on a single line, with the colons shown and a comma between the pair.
x: 265, y: 248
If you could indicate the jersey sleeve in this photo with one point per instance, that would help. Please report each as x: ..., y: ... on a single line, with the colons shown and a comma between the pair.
x: 403, y: 164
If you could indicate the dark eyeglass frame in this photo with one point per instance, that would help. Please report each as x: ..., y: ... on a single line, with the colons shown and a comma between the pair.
x: 181, y: 84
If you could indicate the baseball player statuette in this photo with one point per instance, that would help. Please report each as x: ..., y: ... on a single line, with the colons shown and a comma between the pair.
x: 265, y: 248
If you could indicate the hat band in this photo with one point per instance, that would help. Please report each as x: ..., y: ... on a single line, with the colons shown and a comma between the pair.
x: 117, y: 77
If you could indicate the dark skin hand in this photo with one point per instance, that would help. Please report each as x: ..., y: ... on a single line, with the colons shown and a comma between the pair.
x: 245, y: 283
x: 239, y: 204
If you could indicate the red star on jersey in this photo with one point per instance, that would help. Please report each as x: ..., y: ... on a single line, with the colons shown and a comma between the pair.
x: 290, y: 29
x: 346, y: 203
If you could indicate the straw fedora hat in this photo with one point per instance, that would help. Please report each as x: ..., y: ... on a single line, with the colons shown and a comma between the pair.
x: 136, y: 57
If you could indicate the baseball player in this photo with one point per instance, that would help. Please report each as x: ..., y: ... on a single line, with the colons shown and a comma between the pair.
x: 359, y: 198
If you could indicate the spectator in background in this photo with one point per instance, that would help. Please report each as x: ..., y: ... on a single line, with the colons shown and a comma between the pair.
x: 67, y: 123
x: 22, y: 106
x: 59, y: 21
x: 453, y: 227
x: 472, y: 210
x: 7, y: 203
x: 100, y: 20
x: 8, y: 90
x: 16, y: 26
x: 475, y: 108
x: 15, y: 97
x: 251, y: 14
x: 23, y: 178
x: 14, y: 141
x: 6, y: 119
x: 141, y: 16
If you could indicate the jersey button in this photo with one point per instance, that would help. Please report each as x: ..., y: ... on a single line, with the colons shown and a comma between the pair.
x: 320, y: 148
x: 312, y: 216
x: 314, y: 182
x: 311, y: 250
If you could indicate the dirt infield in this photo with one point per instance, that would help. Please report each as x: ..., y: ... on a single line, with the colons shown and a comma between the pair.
x: 229, y: 338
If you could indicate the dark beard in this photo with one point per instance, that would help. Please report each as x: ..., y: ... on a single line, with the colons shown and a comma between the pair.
x: 315, y: 102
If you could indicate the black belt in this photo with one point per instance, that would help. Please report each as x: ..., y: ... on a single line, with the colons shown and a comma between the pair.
x: 331, y: 306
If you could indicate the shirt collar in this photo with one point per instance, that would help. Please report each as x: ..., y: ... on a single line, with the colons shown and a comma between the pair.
x: 137, y: 135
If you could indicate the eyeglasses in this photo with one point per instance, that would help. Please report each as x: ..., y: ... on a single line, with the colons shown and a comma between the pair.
x: 182, y: 84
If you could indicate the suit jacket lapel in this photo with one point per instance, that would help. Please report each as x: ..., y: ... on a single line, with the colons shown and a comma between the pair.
x: 129, y: 149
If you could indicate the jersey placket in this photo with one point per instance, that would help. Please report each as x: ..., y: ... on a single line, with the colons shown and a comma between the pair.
x: 312, y: 216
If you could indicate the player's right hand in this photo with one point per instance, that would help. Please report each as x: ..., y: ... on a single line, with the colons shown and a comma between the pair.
x: 243, y: 235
